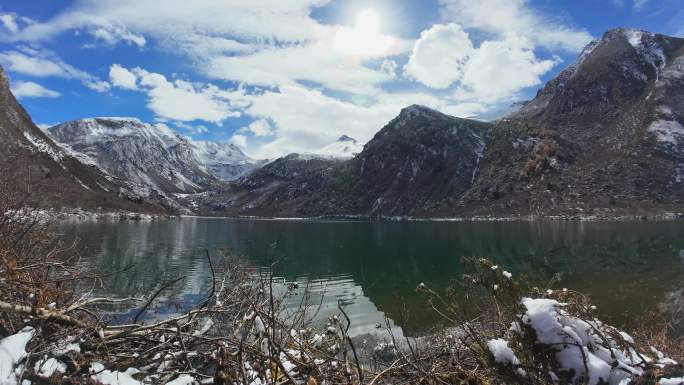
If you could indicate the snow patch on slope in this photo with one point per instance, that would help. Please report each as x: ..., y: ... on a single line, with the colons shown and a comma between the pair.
x: 42, y: 146
x: 668, y: 132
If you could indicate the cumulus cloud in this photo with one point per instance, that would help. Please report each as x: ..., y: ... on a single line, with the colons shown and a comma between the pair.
x: 23, y: 89
x: 440, y: 55
x: 43, y: 63
x: 177, y: 100
x: 499, y: 69
x: 515, y: 18
x: 444, y: 56
x: 122, y: 78
x: 259, y: 127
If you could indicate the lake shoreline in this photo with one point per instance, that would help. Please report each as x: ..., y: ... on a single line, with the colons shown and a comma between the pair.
x: 476, y: 218
x: 81, y: 215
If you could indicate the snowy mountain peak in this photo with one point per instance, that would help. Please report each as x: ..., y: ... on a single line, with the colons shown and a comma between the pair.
x: 345, y: 138
x: 224, y: 160
x: 92, y: 130
x: 344, y: 147
x: 152, y: 155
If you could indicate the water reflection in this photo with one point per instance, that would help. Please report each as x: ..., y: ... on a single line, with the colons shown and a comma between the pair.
x: 374, y: 267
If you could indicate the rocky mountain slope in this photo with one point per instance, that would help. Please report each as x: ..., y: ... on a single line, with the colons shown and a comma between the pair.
x: 606, y: 133
x: 36, y: 170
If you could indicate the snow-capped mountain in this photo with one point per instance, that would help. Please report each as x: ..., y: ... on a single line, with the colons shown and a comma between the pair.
x: 152, y: 158
x: 343, y: 147
x: 35, y: 168
x: 224, y: 160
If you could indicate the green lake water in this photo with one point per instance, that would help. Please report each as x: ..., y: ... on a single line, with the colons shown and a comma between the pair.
x: 373, y: 267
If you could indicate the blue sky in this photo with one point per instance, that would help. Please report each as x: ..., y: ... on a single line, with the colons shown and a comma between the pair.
x: 288, y: 76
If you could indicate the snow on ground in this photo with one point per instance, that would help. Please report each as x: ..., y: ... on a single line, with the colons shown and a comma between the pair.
x: 48, y: 366
x: 107, y: 377
x: 12, y: 351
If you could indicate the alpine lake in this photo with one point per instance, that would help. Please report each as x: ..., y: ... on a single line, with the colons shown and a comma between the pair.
x: 372, y: 268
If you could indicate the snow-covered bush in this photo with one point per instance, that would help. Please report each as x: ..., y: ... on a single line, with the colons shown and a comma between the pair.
x: 534, y: 336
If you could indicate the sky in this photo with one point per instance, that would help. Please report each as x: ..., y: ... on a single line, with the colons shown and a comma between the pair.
x: 282, y: 76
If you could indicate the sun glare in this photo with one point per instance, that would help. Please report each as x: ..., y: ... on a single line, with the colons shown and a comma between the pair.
x: 368, y: 22
x: 364, y: 38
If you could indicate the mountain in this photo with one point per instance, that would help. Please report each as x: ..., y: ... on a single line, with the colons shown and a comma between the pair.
x: 225, y: 161
x: 152, y: 159
x: 604, y: 135
x: 36, y: 170
x: 416, y: 161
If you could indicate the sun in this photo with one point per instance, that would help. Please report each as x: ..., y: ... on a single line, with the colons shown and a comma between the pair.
x: 365, y: 38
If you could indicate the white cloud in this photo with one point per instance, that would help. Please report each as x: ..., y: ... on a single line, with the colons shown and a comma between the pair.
x: 259, y: 127
x: 23, y: 89
x: 515, y: 18
x: 179, y: 100
x: 122, y: 78
x: 440, y: 55
x: 499, y: 69
x: 444, y: 57
x: 319, y: 62
x: 11, y: 22
x: 639, y: 5
x: 112, y: 36
x: 239, y: 140
x: 31, y: 65
x: 303, y: 82
x: 237, y: 40
x: 42, y: 63
x: 177, y: 20
x: 8, y: 21
x: 389, y: 67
